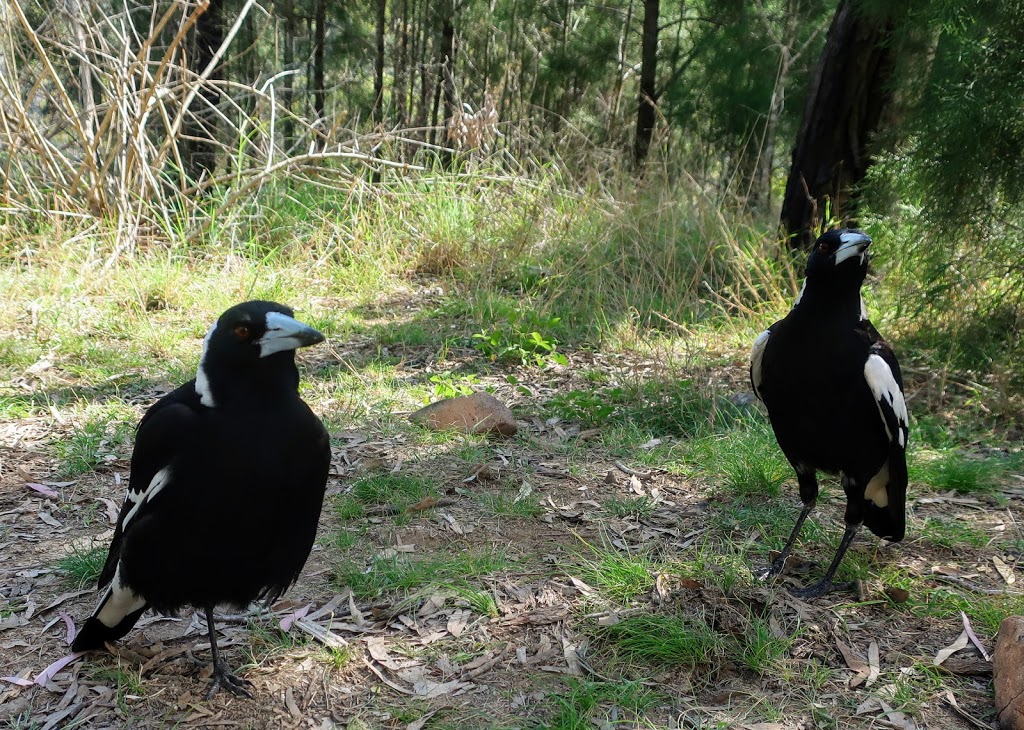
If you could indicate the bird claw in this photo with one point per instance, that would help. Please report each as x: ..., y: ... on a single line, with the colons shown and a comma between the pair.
x: 223, y: 678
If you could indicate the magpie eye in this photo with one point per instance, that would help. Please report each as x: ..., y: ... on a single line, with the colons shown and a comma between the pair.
x: 823, y: 247
x: 241, y: 331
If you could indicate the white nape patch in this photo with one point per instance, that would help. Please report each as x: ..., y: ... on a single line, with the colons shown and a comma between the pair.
x: 118, y: 601
x: 877, y: 488
x: 160, y: 480
x: 202, y: 381
x: 852, y: 244
x: 888, y: 396
x: 800, y: 294
x: 756, y: 355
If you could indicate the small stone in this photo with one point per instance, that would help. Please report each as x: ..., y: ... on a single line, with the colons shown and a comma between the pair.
x: 476, y: 413
x: 1008, y: 669
x: 897, y: 595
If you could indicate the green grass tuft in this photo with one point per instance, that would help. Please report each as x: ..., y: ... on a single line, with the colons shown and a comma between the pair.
x: 675, y: 641
x: 83, y: 567
x: 744, y: 460
x: 599, y: 704
x: 405, y: 574
x: 950, y: 469
x: 616, y: 575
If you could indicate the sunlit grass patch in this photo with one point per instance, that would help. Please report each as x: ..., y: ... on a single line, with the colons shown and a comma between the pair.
x: 950, y: 533
x: 744, y: 460
x: 399, y: 492
x: 619, y: 576
x: 598, y: 704
x: 951, y: 469
x: 403, y: 573
x: 660, y: 640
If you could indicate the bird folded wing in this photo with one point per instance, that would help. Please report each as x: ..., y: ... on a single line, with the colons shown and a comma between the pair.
x: 888, y: 391
x: 756, y: 355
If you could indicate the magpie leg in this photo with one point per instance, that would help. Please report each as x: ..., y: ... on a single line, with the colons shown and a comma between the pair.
x: 824, y: 585
x: 222, y: 676
x: 780, y: 562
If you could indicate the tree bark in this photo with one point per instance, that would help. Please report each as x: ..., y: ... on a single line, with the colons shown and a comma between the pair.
x: 848, y: 96
x: 319, y: 40
x: 288, y: 83
x: 377, y: 114
x: 200, y: 128
x: 648, y: 99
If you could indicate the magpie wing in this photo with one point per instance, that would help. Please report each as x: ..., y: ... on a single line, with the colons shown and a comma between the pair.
x: 882, y: 372
x: 166, y: 426
x: 756, y: 358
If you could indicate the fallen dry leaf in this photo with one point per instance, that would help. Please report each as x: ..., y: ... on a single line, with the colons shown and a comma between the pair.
x: 1004, y: 570
x: 855, y: 663
x: 943, y: 654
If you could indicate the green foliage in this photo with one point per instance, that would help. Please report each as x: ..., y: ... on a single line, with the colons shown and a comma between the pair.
x: 521, y: 341
x: 449, y: 385
x: 663, y: 406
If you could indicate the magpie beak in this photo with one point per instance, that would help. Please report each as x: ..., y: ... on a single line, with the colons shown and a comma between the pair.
x: 854, y: 243
x: 286, y: 333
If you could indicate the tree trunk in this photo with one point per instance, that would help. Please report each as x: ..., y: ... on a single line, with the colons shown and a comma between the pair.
x: 377, y: 114
x: 288, y: 83
x: 648, y: 96
x: 848, y: 95
x: 319, y: 39
x: 401, y: 21
x: 200, y: 147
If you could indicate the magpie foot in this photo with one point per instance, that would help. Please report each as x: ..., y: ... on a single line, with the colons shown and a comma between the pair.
x: 223, y: 678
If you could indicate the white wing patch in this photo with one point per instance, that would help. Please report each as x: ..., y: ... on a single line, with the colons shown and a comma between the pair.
x: 863, y: 310
x: 202, y: 381
x: 888, y: 396
x: 756, y: 355
x: 118, y: 601
x: 156, y: 484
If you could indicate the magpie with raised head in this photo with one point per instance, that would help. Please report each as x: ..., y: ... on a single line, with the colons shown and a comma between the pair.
x: 834, y: 395
x: 227, y: 481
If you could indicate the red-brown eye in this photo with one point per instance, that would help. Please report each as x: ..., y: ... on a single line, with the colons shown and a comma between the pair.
x: 241, y: 331
x: 823, y: 247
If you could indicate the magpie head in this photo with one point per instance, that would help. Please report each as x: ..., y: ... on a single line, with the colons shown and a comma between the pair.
x: 251, y: 340
x: 839, y: 253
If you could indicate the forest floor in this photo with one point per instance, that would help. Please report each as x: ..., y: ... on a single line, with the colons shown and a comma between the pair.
x: 595, y: 570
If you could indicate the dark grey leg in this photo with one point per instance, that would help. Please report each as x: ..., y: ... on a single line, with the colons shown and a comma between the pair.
x: 825, y: 584
x: 222, y: 676
x: 780, y: 562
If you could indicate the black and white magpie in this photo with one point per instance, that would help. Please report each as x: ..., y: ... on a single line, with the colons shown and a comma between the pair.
x: 834, y: 395
x: 227, y: 480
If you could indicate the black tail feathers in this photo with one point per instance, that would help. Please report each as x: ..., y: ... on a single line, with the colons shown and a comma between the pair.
x: 94, y: 634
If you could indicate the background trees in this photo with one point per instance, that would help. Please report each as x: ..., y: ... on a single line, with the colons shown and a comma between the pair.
x: 764, y: 102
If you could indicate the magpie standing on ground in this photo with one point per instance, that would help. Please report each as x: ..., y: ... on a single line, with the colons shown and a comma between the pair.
x: 227, y: 481
x: 834, y: 395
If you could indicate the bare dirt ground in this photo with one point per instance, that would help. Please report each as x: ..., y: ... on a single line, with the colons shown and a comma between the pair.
x: 426, y: 658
